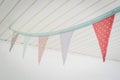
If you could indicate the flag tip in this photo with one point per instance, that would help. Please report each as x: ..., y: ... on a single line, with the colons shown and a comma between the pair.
x: 10, y: 50
x: 38, y: 63
x: 103, y: 59
x: 63, y: 63
x: 23, y: 57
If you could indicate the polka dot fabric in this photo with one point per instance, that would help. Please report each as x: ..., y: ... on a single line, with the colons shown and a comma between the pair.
x: 102, y: 30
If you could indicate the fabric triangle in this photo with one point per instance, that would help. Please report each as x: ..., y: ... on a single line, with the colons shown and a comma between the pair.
x: 65, y: 42
x: 41, y: 48
x: 26, y: 41
x: 14, y: 37
x: 102, y: 30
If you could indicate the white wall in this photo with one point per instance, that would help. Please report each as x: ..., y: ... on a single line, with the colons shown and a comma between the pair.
x: 77, y: 67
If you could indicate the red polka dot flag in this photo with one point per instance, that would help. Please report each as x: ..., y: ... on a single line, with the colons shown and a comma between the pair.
x: 102, y: 30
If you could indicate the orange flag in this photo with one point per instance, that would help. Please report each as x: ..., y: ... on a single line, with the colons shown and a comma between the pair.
x: 42, y: 44
x: 102, y: 30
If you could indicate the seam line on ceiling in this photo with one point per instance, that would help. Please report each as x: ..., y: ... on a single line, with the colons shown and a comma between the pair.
x: 17, y: 17
x: 10, y: 11
x: 1, y: 2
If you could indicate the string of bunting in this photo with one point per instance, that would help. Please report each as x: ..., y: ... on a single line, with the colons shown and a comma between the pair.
x: 102, y: 26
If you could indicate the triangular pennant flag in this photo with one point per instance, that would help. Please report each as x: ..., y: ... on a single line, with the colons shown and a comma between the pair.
x: 15, y: 35
x: 65, y: 42
x: 102, y: 30
x: 42, y: 44
x: 26, y: 40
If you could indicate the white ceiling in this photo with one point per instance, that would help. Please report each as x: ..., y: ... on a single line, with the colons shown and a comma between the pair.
x: 37, y: 16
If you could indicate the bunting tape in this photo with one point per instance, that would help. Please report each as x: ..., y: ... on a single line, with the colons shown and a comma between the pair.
x: 101, y: 24
x: 72, y: 28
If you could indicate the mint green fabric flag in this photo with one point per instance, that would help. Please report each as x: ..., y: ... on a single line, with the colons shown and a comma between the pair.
x: 26, y: 41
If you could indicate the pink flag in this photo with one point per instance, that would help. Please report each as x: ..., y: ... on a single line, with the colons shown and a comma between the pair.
x: 102, y: 30
x: 42, y: 44
x: 13, y: 41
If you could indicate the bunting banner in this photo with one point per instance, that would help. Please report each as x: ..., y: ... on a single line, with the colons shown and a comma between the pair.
x: 41, y: 48
x: 26, y: 41
x: 14, y: 37
x: 102, y: 30
x: 102, y: 26
x: 65, y: 42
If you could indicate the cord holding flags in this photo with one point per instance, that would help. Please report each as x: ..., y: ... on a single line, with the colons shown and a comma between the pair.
x: 102, y: 26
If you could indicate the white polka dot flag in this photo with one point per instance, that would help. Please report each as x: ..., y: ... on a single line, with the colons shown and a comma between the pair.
x: 102, y: 30
x: 41, y: 48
